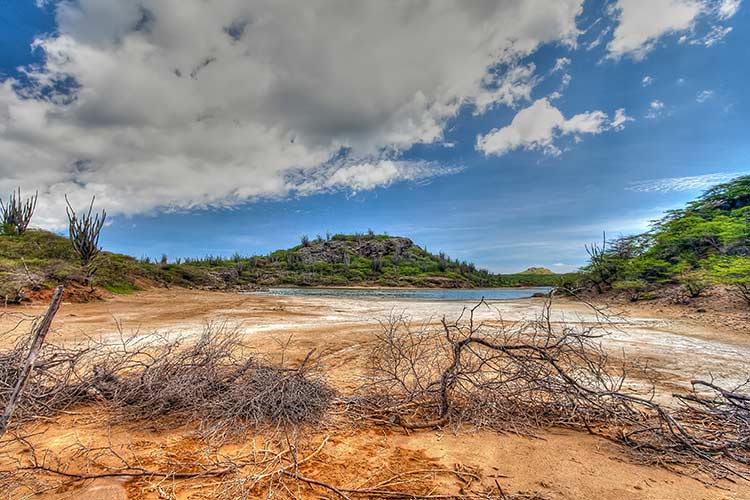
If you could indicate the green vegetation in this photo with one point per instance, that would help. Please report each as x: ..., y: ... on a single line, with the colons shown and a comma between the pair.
x: 39, y: 259
x: 537, y: 270
x: 16, y: 212
x: 706, y: 243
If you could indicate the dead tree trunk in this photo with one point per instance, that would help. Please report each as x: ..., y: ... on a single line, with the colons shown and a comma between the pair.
x: 39, y: 334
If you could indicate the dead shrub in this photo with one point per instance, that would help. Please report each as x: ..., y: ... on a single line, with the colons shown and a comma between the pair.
x: 213, y: 380
x: 525, y: 375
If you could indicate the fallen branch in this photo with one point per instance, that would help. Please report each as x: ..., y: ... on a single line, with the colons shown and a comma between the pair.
x: 39, y: 334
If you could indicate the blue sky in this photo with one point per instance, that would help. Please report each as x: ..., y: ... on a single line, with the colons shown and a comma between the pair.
x: 244, y: 127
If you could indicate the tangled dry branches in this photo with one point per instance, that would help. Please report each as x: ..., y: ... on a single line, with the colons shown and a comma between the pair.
x: 529, y: 374
x: 518, y: 376
x: 212, y: 379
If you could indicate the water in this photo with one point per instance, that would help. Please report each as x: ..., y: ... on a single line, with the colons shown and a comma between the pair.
x: 429, y: 294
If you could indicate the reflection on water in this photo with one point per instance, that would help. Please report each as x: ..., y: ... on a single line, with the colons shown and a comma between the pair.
x: 470, y: 294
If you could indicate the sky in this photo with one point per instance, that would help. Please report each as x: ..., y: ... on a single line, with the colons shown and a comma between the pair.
x: 505, y: 133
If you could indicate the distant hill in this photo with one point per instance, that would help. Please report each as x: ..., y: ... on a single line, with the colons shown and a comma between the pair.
x: 536, y: 270
x: 38, y: 260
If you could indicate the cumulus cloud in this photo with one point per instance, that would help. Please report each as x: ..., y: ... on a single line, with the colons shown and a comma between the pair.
x: 538, y: 126
x: 641, y: 23
x: 647, y: 80
x: 671, y: 184
x: 250, y: 101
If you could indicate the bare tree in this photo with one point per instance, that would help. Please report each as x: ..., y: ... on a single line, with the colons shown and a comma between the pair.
x: 17, y: 213
x: 84, y: 234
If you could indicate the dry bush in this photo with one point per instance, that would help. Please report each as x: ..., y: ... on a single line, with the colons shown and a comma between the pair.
x: 529, y: 374
x: 55, y: 383
x: 212, y: 380
x: 497, y: 374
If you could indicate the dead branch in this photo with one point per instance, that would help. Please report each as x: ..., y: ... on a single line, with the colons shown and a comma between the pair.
x: 530, y: 374
x: 38, y: 336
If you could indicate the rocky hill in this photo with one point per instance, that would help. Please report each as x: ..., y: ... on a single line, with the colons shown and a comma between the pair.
x: 537, y: 270
x: 33, y: 263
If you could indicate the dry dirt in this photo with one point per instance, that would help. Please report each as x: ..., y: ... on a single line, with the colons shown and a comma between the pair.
x: 557, y: 464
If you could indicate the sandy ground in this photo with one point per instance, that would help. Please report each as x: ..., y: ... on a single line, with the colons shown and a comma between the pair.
x: 676, y: 349
x: 557, y: 464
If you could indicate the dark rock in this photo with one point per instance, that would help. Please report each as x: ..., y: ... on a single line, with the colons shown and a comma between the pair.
x: 333, y: 251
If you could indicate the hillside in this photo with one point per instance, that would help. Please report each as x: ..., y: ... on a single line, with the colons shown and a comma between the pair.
x: 537, y: 270
x: 688, y: 253
x: 37, y: 260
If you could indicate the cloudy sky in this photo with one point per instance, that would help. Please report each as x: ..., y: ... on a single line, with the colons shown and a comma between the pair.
x: 508, y: 133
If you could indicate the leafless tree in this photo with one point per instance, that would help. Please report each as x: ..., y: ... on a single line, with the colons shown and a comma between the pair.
x: 17, y: 213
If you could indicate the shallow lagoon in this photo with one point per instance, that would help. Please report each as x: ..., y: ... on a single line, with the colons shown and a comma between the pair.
x: 428, y: 294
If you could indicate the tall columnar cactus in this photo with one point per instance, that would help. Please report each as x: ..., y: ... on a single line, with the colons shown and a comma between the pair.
x: 84, y: 234
x: 16, y: 214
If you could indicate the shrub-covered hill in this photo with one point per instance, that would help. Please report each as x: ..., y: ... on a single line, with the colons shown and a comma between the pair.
x: 537, y: 270
x: 38, y: 260
x: 704, y: 244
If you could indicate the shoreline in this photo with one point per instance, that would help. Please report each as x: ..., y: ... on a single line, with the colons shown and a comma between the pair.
x: 381, y: 287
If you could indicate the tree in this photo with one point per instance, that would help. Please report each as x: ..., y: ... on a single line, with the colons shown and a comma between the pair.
x: 695, y: 283
x: 603, y: 266
x: 734, y: 272
x: 16, y: 215
x: 633, y: 288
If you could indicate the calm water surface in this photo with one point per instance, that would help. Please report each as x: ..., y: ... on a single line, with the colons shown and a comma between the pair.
x: 471, y: 294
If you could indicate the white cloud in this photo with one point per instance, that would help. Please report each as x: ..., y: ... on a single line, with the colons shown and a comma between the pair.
x: 647, y: 80
x: 656, y: 109
x: 670, y: 184
x: 704, y: 95
x: 560, y: 64
x: 642, y: 22
x: 508, y: 87
x: 538, y: 126
x: 728, y: 8
x: 599, y: 38
x: 255, y: 96
x: 368, y: 175
x: 716, y: 35
x: 565, y: 80
x: 620, y: 119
